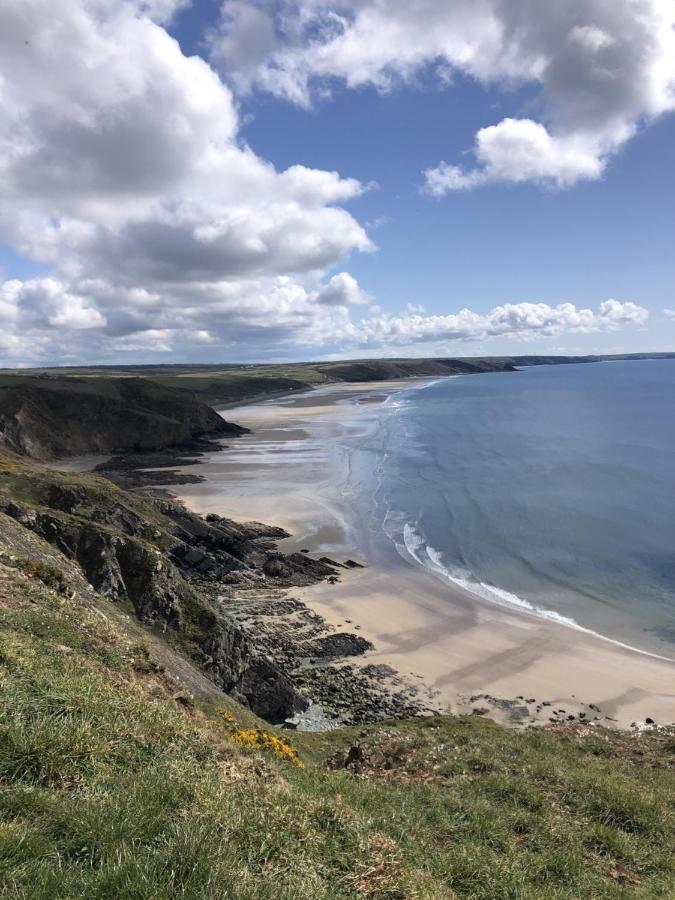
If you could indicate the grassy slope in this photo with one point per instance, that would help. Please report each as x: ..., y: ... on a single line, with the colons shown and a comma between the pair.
x: 110, y: 788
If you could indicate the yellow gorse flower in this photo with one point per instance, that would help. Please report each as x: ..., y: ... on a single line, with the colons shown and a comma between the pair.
x: 257, y: 739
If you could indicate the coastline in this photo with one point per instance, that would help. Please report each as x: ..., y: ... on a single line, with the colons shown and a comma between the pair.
x: 472, y: 655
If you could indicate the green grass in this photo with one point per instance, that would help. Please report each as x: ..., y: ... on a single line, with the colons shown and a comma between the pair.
x: 501, y: 813
x: 109, y: 788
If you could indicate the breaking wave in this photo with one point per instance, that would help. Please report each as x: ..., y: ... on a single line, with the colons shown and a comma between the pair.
x: 415, y: 547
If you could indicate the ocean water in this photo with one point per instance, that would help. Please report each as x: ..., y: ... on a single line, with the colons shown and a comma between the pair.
x: 551, y: 490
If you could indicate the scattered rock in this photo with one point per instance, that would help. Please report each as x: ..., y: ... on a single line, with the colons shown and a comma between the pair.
x: 183, y: 699
x: 341, y: 644
x: 497, y: 702
x: 276, y: 567
x: 326, y: 560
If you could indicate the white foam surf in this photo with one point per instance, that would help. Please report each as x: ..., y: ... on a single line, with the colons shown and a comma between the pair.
x: 400, y: 399
x: 423, y: 554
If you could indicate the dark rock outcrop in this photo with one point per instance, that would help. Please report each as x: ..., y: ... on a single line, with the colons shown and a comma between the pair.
x: 158, y: 557
x: 341, y: 644
x: 268, y: 692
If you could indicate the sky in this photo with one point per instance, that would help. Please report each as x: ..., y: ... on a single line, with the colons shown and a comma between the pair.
x: 269, y: 180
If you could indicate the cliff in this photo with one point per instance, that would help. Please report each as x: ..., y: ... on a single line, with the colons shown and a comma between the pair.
x: 392, y: 369
x: 47, y: 417
x: 158, y: 561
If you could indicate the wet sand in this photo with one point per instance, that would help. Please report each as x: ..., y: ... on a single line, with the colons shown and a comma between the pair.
x: 288, y: 472
x: 462, y: 648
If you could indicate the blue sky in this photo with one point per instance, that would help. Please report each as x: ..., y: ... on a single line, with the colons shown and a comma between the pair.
x: 508, y: 243
x: 482, y: 185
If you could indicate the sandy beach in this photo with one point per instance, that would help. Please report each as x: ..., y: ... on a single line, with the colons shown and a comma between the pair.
x: 291, y: 471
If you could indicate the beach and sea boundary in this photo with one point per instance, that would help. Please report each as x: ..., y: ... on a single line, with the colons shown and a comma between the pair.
x: 472, y: 654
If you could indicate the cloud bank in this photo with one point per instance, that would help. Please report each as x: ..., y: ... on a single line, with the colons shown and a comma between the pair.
x: 521, y: 320
x: 42, y: 316
x: 603, y: 68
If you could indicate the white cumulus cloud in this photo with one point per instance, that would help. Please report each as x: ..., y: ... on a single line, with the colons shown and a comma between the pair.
x: 617, y: 313
x: 603, y: 68
x: 518, y: 320
x: 342, y: 290
x: 122, y: 166
x: 519, y: 150
x: 43, y: 319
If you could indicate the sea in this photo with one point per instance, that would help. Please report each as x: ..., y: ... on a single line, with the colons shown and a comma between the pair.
x: 550, y: 490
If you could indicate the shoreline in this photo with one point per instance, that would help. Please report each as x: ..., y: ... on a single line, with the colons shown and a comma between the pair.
x: 472, y: 655
x: 265, y: 396
x: 524, y: 607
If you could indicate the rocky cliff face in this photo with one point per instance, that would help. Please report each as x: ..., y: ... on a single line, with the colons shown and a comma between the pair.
x: 167, y: 565
x: 47, y: 417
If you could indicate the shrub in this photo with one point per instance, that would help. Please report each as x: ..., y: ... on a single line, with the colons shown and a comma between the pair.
x: 257, y: 739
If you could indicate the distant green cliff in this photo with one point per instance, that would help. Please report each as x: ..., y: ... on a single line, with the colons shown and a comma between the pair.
x: 52, y: 416
x: 229, y: 383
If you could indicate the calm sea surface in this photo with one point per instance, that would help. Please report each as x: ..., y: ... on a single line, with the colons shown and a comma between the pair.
x: 551, y: 489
